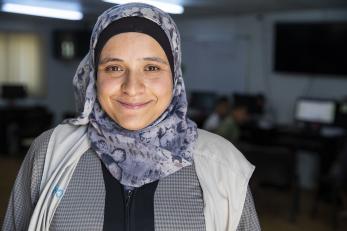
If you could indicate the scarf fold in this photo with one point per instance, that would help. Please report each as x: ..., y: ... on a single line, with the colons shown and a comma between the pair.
x: 138, y: 157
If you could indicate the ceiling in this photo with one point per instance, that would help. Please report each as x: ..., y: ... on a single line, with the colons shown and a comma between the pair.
x: 223, y: 7
x: 193, y: 8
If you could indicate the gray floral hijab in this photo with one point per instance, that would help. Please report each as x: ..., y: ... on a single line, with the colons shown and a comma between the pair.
x: 138, y: 157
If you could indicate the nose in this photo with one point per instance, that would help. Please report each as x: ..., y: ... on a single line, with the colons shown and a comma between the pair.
x: 133, y: 84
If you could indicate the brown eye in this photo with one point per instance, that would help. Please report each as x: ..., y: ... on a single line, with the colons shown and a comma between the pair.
x: 113, y: 69
x: 152, y: 68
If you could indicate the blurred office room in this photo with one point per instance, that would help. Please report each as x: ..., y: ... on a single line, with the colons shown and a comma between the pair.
x: 284, y: 62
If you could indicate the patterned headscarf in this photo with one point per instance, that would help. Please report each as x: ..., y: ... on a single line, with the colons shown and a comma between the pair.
x: 136, y: 158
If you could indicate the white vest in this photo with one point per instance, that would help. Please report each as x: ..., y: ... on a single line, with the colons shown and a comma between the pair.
x: 222, y: 170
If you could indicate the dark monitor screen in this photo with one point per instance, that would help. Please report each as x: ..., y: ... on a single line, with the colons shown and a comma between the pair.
x: 203, y: 100
x: 255, y: 103
x: 13, y: 92
x: 315, y: 111
x: 311, y: 48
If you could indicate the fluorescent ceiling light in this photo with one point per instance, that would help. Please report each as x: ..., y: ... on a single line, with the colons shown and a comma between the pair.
x: 42, y: 11
x: 165, y: 6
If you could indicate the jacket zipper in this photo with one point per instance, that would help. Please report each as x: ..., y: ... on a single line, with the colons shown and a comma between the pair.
x: 128, y: 201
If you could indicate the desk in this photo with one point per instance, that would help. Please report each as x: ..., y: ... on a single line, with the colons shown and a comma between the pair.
x: 293, y: 139
x: 17, y: 123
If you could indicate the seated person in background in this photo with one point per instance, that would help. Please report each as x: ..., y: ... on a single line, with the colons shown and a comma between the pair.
x: 229, y: 127
x: 220, y: 112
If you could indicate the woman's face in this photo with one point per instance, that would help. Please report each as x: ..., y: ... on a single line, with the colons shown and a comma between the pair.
x: 134, y: 80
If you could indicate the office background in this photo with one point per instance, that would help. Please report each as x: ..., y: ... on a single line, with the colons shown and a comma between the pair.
x: 227, y: 48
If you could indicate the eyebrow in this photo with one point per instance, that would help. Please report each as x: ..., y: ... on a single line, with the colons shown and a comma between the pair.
x: 110, y: 59
x: 155, y: 59
x: 113, y: 59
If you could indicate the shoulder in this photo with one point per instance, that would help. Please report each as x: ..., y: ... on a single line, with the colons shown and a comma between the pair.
x: 211, y: 122
x: 223, y: 174
x: 39, y: 146
x: 38, y: 149
x: 67, y: 135
x: 213, y: 118
x: 32, y: 167
x: 40, y: 143
x: 216, y: 150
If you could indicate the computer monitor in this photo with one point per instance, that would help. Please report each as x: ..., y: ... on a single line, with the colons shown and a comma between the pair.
x: 315, y: 111
x: 13, y: 91
x: 255, y: 103
x: 203, y: 100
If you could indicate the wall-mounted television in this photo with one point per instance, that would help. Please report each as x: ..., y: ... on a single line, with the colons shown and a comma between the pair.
x: 311, y: 48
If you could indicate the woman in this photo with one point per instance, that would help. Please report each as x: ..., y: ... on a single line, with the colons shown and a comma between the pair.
x: 132, y: 160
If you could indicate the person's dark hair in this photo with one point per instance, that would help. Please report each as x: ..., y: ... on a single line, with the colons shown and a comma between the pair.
x: 221, y: 100
x: 222, y: 106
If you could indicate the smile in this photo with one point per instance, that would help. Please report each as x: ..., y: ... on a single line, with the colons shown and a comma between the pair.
x: 133, y: 106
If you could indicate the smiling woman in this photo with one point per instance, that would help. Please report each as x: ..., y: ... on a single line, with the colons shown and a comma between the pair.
x: 132, y: 160
x: 134, y: 81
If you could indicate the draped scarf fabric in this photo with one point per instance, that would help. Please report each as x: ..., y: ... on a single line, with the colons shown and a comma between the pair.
x: 138, y: 157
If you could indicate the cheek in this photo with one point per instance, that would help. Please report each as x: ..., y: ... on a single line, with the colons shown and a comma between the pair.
x: 106, y: 86
x: 163, y: 90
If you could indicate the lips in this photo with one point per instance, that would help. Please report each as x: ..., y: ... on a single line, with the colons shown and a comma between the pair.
x: 133, y: 106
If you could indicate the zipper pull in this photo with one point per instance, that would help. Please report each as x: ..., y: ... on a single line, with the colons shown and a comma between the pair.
x: 130, y: 193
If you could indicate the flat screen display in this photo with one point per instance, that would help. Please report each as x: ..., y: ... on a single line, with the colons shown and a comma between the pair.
x: 203, y: 100
x: 315, y: 111
x: 311, y: 48
x: 13, y: 91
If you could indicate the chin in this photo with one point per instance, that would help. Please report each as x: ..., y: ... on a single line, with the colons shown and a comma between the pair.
x: 134, y: 122
x: 133, y: 126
